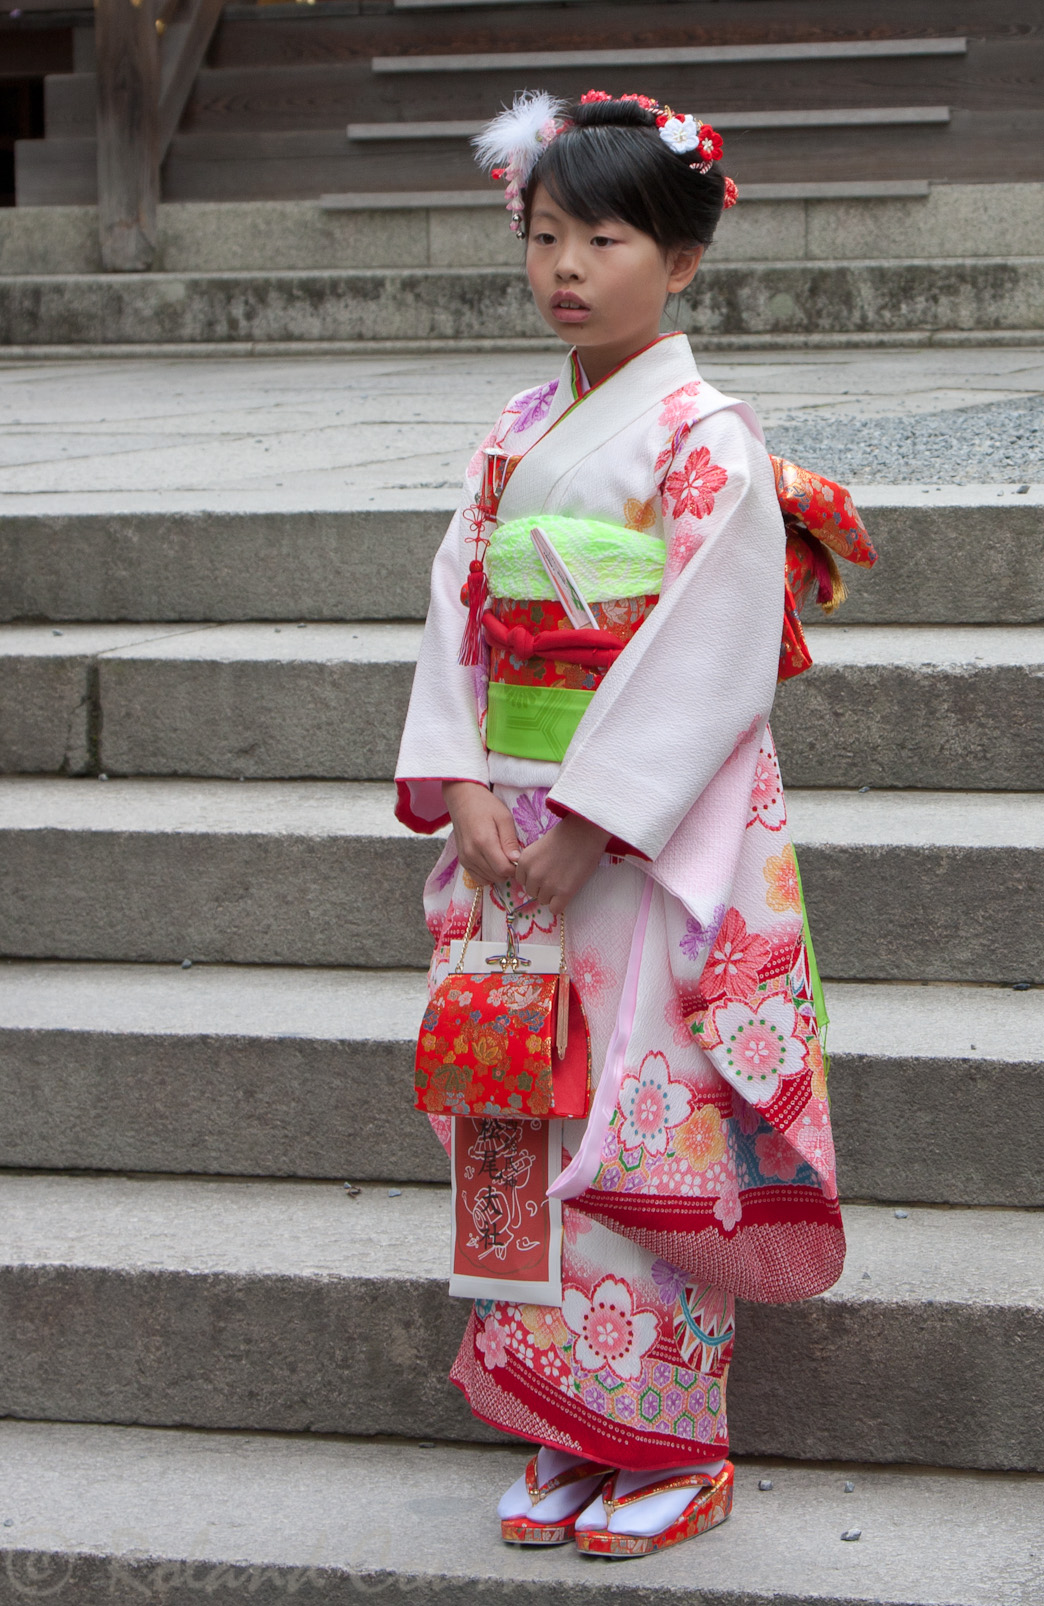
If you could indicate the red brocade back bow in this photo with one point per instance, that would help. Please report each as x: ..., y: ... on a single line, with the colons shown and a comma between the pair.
x: 821, y: 521
x: 592, y: 649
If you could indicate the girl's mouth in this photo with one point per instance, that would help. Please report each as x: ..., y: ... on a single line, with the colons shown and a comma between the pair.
x: 569, y: 308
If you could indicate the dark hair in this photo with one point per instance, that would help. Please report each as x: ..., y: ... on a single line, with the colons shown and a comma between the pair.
x: 611, y: 163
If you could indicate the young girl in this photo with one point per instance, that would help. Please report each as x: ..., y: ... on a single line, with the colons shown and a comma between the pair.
x: 632, y: 780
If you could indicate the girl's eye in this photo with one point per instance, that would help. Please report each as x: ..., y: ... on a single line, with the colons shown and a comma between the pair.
x: 603, y: 239
x: 544, y: 239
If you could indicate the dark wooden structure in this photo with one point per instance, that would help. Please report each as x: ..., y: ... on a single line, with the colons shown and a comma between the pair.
x: 253, y: 102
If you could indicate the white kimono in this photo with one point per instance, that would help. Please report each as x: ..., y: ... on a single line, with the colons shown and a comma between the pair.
x: 705, y: 1169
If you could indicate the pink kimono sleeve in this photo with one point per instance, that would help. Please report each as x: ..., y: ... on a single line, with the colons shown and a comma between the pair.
x: 701, y: 672
x: 442, y: 738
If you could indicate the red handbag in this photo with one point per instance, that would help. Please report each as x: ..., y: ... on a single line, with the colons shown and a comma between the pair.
x: 505, y: 1036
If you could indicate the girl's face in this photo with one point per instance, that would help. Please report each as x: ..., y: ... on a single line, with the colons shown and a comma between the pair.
x: 600, y: 287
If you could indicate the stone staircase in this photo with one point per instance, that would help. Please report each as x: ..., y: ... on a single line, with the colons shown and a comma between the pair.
x: 220, y: 1371
x: 321, y: 189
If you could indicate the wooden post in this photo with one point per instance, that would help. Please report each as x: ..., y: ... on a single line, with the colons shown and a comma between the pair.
x: 128, y: 132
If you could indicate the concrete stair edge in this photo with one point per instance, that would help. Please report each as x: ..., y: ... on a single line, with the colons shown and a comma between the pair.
x: 266, y: 1072
x: 887, y: 706
x: 823, y: 298
x: 292, y: 872
x: 949, y: 555
x: 122, y: 1513
x: 236, y: 1303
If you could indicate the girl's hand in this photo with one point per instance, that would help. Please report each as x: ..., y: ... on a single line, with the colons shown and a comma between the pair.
x: 553, y: 869
x: 483, y: 830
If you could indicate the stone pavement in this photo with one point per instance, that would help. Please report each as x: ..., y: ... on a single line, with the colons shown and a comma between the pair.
x: 264, y: 433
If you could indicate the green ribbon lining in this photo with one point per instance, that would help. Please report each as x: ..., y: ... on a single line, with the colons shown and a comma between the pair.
x: 818, y: 996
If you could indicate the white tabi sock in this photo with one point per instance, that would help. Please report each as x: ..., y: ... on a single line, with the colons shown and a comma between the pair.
x: 515, y: 1502
x: 649, y: 1516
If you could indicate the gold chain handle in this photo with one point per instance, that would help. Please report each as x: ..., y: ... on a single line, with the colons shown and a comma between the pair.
x: 562, y: 1004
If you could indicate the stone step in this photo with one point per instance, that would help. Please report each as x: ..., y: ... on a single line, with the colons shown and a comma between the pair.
x: 890, y: 706
x: 949, y: 555
x: 122, y: 1513
x: 774, y: 301
x: 818, y: 117
x: 295, y: 1306
x: 901, y: 886
x: 441, y: 228
x: 269, y: 1071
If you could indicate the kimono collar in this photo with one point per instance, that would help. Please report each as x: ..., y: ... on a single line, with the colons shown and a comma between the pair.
x: 579, y: 424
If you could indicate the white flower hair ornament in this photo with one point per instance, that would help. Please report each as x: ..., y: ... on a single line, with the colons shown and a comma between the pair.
x: 512, y: 143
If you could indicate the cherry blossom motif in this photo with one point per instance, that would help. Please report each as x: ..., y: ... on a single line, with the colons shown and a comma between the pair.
x: 759, y: 1045
x: 685, y: 542
x: 652, y: 1105
x: 767, y: 806
x: 534, y: 406
x: 676, y: 1178
x: 546, y: 1325
x: 695, y: 485
x: 678, y: 408
x: 490, y: 1342
x: 728, y: 1208
x: 701, y: 1139
x: 590, y: 973
x: 775, y: 1157
x: 609, y: 1332
x: 669, y: 453
x: 817, y: 1146
x: 736, y: 959
x: 675, y: 1016
x: 554, y: 1367
x: 781, y: 874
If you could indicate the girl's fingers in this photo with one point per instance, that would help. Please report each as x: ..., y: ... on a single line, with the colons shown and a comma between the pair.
x: 509, y: 843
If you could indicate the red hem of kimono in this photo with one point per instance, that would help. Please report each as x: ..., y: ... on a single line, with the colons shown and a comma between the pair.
x: 514, y: 1400
x: 786, y: 1246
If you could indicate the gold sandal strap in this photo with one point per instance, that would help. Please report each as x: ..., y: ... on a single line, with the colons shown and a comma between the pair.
x: 538, y: 1491
x: 682, y: 1480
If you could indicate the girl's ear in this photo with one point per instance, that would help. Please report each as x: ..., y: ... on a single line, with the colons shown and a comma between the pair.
x: 682, y: 267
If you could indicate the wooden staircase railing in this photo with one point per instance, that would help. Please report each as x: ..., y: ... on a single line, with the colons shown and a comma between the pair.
x: 148, y: 54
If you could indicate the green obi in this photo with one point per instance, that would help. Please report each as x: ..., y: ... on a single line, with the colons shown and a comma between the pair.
x: 607, y: 562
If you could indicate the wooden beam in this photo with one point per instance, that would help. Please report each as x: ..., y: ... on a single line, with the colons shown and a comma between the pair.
x: 185, y: 43
x: 128, y: 144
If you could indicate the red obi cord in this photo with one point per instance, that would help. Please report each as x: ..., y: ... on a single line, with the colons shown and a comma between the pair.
x: 592, y: 649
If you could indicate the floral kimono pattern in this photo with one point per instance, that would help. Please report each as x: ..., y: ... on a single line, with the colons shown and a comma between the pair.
x: 705, y: 1170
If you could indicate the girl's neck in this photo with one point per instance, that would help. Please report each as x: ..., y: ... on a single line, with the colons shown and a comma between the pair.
x: 597, y: 364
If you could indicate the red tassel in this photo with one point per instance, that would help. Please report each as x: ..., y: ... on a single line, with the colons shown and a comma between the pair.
x: 831, y: 590
x: 470, y: 648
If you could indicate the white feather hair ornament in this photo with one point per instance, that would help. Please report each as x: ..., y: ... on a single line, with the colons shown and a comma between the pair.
x: 511, y: 144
